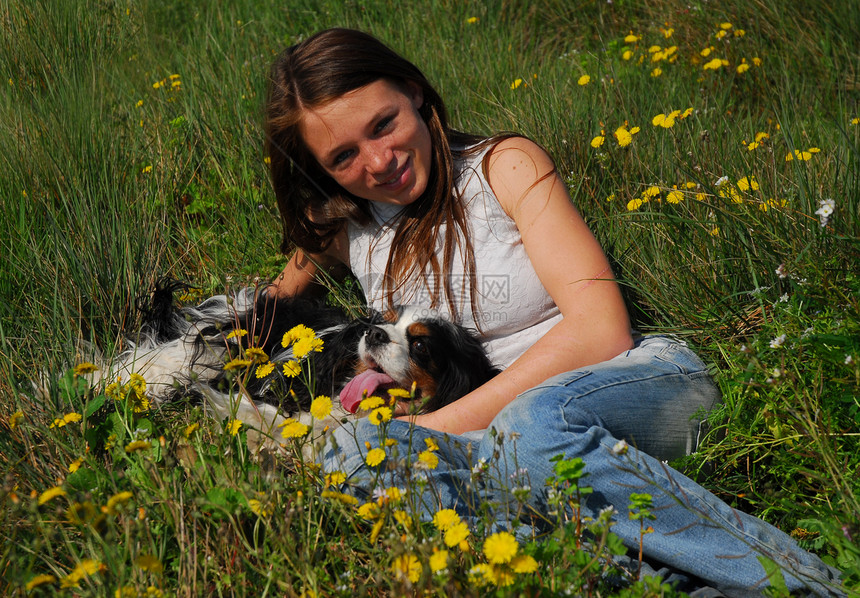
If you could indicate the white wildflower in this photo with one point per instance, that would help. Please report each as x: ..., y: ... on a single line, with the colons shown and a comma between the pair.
x: 777, y: 342
x: 621, y: 447
x: 780, y: 271
x: 723, y: 180
x: 825, y: 209
x: 849, y: 359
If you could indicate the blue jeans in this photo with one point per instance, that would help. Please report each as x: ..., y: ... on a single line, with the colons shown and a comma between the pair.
x: 653, y: 397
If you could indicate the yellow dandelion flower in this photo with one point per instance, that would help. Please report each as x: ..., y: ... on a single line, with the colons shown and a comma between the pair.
x: 264, y: 369
x: 814, y: 150
x: 855, y: 121
x: 482, y: 574
x: 389, y: 442
x: 652, y: 191
x: 335, y: 478
x: 597, y: 141
x: 82, y: 369
x: 721, y: 34
x: 369, y: 511
x: 407, y: 566
x: 237, y: 364
x: 305, y: 345
x: 379, y: 415
x: 523, y: 563
x: 756, y: 61
x: 742, y: 68
x: 256, y: 354
x: 291, y: 428
x: 428, y: 459
x: 667, y: 32
x: 583, y: 80
x: 674, y: 197
x: 233, y: 426
x: 725, y: 26
x: 321, y: 407
x: 146, y: 169
x: 375, y: 457
x: 76, y: 464
x: 761, y: 135
x: 149, y: 562
x: 444, y: 519
x: 752, y: 145
x: 472, y: 20
x: 295, y: 333
x: 371, y: 402
x: 627, y: 55
x: 748, y: 183
x: 15, y: 419
x: 137, y: 445
x: 631, y: 38
x: 456, y: 534
x: 715, y: 232
x: 292, y: 369
x: 157, y: 84
x: 400, y: 393
x: 713, y: 64
x: 657, y: 72
x: 739, y: 33
x: 40, y: 580
x: 258, y: 507
x: 139, y: 104
x: 237, y: 333
x: 50, y: 494
x: 66, y: 419
x: 174, y: 77
x: 516, y: 83
x: 86, y: 568
x: 623, y: 136
x: 190, y: 429
x: 431, y: 444
x: 438, y: 560
x: 500, y: 548
x: 346, y: 499
x: 635, y: 203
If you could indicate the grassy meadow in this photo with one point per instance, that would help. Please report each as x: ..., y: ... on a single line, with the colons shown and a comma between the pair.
x: 713, y: 147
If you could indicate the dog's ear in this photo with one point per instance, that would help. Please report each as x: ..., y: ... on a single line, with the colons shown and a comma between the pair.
x: 159, y: 311
x: 463, y: 366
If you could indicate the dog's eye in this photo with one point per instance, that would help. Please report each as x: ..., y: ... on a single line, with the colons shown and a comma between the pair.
x: 420, y: 348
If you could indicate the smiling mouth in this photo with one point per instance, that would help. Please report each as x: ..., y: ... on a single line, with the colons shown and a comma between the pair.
x: 396, y: 177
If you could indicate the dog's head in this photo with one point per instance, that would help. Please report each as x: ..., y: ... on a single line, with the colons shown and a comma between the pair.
x: 416, y: 346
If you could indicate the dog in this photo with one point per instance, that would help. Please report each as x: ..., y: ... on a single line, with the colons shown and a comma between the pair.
x: 217, y: 351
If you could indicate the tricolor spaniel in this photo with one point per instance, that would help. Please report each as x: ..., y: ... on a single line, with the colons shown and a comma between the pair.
x: 184, y: 351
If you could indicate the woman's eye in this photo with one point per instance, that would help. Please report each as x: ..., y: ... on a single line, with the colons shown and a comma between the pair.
x: 342, y: 157
x: 384, y: 123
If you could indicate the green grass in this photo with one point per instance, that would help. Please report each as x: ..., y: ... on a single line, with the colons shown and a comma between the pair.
x: 114, y: 174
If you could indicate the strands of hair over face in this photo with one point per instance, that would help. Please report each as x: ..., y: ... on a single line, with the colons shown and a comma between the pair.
x: 314, y: 208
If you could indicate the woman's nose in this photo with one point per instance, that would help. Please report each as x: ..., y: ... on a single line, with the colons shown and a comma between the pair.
x: 381, y: 159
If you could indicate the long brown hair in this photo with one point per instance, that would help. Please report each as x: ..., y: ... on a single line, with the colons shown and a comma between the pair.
x: 314, y: 208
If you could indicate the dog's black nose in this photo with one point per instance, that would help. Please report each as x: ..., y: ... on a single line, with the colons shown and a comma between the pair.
x: 376, y: 336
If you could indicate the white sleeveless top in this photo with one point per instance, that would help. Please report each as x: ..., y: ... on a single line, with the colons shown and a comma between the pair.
x: 514, y: 309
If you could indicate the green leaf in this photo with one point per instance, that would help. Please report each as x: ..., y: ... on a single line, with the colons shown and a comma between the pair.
x: 94, y: 404
x: 774, y: 576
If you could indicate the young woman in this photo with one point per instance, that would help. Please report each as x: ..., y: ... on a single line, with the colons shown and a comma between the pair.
x: 370, y: 178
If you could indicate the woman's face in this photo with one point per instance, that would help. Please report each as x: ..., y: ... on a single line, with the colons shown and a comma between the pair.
x: 372, y: 141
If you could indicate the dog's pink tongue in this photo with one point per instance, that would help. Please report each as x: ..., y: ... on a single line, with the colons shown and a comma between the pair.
x: 369, y: 381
